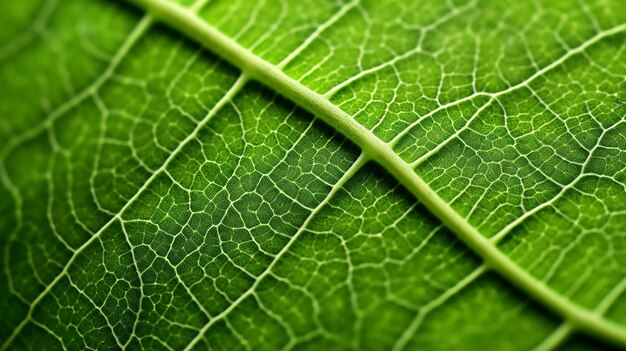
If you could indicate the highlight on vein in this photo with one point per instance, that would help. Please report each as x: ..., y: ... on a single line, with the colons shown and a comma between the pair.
x: 304, y: 175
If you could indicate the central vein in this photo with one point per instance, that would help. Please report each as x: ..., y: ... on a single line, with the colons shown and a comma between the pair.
x: 375, y: 149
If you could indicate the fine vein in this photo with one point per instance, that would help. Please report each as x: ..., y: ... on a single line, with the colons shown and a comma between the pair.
x: 256, y: 68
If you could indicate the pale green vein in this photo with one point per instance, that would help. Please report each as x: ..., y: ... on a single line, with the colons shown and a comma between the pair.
x: 338, y: 15
x: 21, y: 41
x: 140, y: 29
x: 424, y: 310
x: 557, y: 337
x: 236, y: 87
x: 455, y: 12
x: 270, y: 75
x: 137, y: 33
x: 360, y: 162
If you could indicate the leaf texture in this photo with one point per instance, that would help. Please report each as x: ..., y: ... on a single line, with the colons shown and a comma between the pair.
x: 308, y: 175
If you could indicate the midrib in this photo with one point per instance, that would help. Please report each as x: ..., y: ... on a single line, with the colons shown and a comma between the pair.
x: 375, y: 149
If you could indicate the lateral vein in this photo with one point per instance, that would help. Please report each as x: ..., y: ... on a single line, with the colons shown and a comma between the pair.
x: 234, y: 89
x: 270, y: 75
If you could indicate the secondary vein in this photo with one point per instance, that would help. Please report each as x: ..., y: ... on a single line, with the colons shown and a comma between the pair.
x: 272, y: 76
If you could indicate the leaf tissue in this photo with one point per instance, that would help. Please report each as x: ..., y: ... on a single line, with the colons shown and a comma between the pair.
x: 313, y: 175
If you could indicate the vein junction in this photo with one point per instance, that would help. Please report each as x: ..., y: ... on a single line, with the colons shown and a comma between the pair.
x: 381, y: 152
x: 392, y: 155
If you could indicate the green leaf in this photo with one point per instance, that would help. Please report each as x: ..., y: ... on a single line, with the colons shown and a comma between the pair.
x: 405, y: 175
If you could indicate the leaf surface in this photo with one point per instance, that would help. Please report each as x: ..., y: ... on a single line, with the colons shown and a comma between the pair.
x: 303, y: 175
